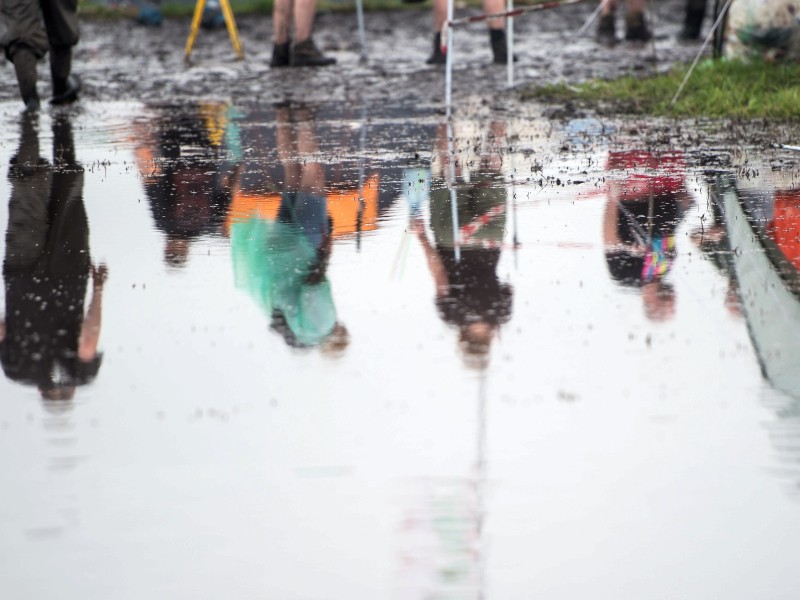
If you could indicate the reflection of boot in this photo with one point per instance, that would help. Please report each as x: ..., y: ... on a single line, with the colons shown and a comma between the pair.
x: 27, y: 155
x: 606, y: 32
x: 437, y: 57
x: 66, y: 87
x: 63, y: 143
x: 306, y: 54
x: 635, y: 28
x: 692, y: 24
x: 25, y: 68
x: 280, y: 55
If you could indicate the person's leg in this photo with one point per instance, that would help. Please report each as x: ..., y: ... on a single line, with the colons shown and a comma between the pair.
x: 693, y: 21
x: 61, y: 22
x: 25, y: 42
x: 497, y: 30
x: 281, y: 28
x: 437, y: 57
x: 606, y: 28
x: 305, y: 53
x: 636, y: 28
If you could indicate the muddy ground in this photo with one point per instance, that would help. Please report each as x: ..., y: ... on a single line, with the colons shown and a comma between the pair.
x: 120, y: 60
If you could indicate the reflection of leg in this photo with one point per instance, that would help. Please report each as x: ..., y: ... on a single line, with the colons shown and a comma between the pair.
x: 312, y: 177
x: 63, y: 143
x: 287, y: 149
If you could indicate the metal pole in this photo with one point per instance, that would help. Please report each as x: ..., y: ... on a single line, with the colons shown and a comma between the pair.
x: 510, y: 45
x: 447, y: 40
x: 451, y: 154
x: 362, y: 35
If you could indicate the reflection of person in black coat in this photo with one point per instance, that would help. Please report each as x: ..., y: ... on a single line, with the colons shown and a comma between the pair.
x: 46, y: 340
x: 187, y: 187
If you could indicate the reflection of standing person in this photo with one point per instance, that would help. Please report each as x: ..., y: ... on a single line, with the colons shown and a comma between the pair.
x: 463, y: 262
x: 47, y: 340
x: 639, y: 224
x: 33, y: 29
x: 185, y: 179
x: 297, y: 14
x: 282, y: 263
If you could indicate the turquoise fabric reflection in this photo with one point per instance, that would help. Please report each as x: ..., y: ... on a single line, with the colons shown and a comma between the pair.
x: 274, y: 261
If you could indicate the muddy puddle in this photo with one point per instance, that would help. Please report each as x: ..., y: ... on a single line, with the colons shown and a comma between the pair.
x: 348, y: 350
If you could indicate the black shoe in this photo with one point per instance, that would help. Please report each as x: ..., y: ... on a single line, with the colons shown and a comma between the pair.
x: 692, y: 25
x: 306, y: 54
x: 499, y: 43
x: 606, y: 30
x: 281, y: 54
x: 636, y: 29
x: 437, y: 57
x: 66, y: 92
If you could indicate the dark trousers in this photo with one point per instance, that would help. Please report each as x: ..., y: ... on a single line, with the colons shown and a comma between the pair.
x: 39, y: 25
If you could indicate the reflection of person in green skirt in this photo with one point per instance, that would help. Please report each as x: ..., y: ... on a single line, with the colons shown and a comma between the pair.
x: 463, y: 260
x: 282, y: 263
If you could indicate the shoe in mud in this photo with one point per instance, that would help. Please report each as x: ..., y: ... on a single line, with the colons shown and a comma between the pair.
x: 636, y: 29
x: 306, y: 54
x: 437, y: 57
x: 499, y: 43
x: 281, y: 55
x: 67, y: 92
x: 692, y: 25
x: 606, y: 30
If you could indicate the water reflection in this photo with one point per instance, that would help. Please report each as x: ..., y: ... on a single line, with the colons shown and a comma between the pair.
x: 282, y: 262
x: 763, y: 226
x: 46, y: 339
x: 641, y: 216
x: 467, y: 220
x: 189, y: 159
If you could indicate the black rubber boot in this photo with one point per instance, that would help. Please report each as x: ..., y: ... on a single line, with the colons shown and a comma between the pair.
x: 281, y: 53
x: 66, y: 87
x: 606, y: 30
x: 636, y: 29
x: 692, y: 24
x: 306, y: 54
x: 499, y: 43
x: 437, y: 57
x: 25, y: 68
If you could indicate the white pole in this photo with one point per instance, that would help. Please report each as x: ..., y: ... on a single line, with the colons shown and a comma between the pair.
x: 510, y: 45
x: 451, y: 154
x: 362, y: 35
x: 447, y: 33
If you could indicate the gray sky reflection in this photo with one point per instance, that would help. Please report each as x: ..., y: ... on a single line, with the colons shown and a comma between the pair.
x: 559, y: 397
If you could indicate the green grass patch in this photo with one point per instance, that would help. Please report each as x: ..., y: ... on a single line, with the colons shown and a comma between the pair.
x: 717, y: 88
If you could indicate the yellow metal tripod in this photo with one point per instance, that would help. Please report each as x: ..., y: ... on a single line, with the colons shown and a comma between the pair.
x: 230, y: 23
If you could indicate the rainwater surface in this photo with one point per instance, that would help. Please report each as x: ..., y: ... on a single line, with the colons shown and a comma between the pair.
x: 355, y: 351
